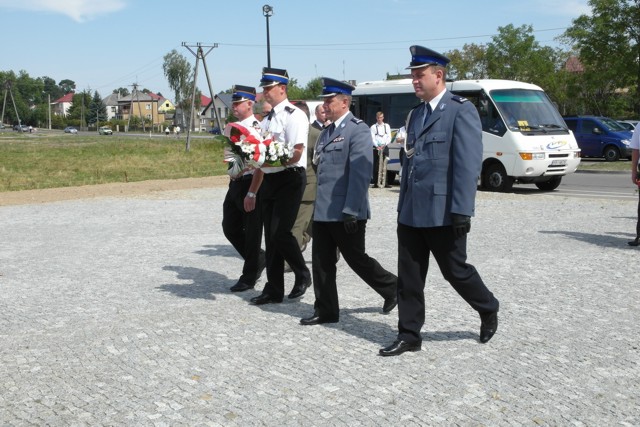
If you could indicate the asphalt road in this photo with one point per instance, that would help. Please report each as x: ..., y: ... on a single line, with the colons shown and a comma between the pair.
x: 600, y: 185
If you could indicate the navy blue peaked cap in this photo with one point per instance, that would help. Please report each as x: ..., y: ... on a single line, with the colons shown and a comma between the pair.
x: 422, y: 56
x: 273, y: 76
x: 243, y: 93
x: 333, y: 87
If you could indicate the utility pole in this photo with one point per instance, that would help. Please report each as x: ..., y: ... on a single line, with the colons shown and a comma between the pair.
x: 135, y: 88
x: 49, y: 102
x: 200, y: 54
x: 7, y: 88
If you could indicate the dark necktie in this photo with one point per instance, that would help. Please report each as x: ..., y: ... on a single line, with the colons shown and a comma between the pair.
x: 427, y: 114
x: 332, y: 127
x: 270, y: 115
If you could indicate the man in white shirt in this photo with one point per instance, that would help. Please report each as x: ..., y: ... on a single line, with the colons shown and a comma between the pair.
x: 282, y: 190
x: 241, y: 214
x: 381, y: 134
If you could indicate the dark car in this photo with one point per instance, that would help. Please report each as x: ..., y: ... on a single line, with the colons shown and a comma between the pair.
x: 600, y: 137
x: 214, y: 131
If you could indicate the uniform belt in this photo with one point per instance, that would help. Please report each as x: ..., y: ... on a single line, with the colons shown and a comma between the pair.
x: 242, y: 178
x: 295, y: 169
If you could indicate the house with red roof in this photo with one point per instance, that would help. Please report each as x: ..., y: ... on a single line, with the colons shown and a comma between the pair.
x: 60, y: 106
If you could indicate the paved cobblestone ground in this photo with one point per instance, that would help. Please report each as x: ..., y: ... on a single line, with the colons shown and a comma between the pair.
x: 116, y: 311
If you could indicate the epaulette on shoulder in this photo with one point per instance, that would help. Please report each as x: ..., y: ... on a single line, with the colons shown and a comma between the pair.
x: 417, y: 105
x: 460, y: 99
x: 289, y: 109
x: 356, y: 120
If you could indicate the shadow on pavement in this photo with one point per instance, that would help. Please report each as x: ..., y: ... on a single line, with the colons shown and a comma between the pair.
x: 595, y: 239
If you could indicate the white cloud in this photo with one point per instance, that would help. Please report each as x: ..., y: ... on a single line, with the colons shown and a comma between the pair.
x: 78, y: 10
x: 569, y: 8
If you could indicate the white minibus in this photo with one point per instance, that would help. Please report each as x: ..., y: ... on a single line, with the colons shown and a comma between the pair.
x: 525, y: 140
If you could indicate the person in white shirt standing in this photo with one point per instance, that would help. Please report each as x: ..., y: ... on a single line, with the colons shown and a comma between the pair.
x: 381, y: 134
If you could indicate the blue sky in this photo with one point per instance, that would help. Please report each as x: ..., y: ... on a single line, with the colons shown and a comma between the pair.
x: 106, y: 44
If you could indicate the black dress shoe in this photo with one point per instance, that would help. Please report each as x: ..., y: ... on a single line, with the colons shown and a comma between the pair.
x: 299, y: 289
x: 387, y: 186
x: 488, y: 326
x: 316, y: 320
x: 265, y: 299
x: 389, y: 304
x: 634, y: 242
x: 399, y: 347
x: 241, y: 287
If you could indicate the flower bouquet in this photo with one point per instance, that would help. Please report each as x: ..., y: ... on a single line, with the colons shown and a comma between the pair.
x: 276, y: 153
x: 242, y: 148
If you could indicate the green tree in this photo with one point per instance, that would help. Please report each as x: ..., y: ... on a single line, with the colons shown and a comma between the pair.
x: 97, y: 110
x: 470, y: 62
x: 16, y: 107
x: 79, y: 109
x: 514, y: 54
x: 179, y: 74
x: 67, y: 86
x: 607, y: 43
x: 310, y: 91
x: 51, y: 88
x: 123, y: 91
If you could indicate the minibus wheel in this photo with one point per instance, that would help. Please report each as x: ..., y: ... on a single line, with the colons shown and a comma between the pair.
x: 549, y: 185
x: 496, y: 178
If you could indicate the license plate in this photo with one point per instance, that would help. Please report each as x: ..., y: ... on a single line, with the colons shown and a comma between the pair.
x: 558, y: 162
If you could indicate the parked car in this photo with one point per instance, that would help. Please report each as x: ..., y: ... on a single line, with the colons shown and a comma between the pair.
x: 21, y: 128
x: 628, y: 126
x: 70, y: 129
x: 600, y: 137
x: 214, y: 131
x: 105, y: 130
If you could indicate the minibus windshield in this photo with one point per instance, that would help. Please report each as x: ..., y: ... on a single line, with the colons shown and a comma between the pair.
x: 527, y: 111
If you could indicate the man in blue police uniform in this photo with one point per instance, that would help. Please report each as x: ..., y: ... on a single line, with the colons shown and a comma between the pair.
x: 344, y: 160
x: 437, y: 197
x: 282, y: 190
x: 241, y: 215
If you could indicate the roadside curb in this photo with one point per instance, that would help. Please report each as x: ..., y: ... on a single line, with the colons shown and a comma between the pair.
x: 599, y: 171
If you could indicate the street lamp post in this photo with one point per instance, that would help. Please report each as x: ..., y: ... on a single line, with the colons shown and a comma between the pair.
x: 267, y: 11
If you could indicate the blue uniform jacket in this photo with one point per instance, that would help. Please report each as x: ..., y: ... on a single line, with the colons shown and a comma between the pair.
x: 442, y: 175
x: 345, y: 161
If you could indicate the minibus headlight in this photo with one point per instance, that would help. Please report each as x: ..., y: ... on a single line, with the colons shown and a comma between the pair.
x: 532, y: 156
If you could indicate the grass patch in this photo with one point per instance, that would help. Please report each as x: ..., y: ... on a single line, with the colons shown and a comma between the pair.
x: 49, y: 160
x: 604, y: 166
x: 53, y: 159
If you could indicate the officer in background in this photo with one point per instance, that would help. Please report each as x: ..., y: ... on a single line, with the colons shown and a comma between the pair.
x: 344, y: 160
x: 241, y: 213
x: 302, y: 228
x: 437, y: 198
x: 282, y: 189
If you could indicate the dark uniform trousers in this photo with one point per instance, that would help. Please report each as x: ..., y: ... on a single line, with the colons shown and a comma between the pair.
x: 281, y: 196
x: 243, y: 229
x: 326, y: 237
x: 414, y: 247
x: 638, y: 223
